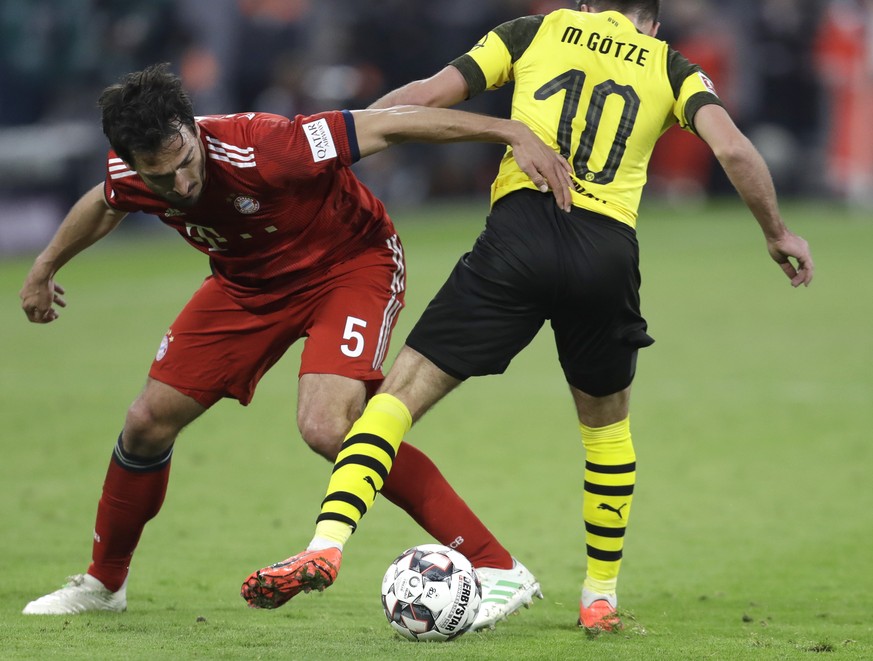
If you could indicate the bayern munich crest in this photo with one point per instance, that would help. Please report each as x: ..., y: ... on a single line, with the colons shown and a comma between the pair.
x: 165, y: 345
x: 245, y: 204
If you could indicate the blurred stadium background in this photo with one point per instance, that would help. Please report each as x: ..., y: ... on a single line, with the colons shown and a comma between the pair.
x: 797, y: 75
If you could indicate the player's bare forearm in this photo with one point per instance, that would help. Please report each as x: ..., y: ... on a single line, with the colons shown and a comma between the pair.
x: 749, y: 174
x: 378, y: 129
x: 743, y: 165
x: 444, y: 89
x: 88, y: 221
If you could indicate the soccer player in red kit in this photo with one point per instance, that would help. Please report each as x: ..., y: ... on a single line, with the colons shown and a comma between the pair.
x: 298, y: 248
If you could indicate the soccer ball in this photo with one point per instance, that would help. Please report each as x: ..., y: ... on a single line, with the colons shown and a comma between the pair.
x: 430, y: 592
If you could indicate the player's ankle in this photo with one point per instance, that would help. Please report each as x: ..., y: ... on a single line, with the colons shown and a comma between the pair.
x: 321, y: 543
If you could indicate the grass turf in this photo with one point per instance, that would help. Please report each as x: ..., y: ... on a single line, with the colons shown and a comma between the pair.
x: 752, y: 524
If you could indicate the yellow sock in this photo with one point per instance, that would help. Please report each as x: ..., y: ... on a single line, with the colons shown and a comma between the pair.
x: 361, y: 467
x: 610, y: 473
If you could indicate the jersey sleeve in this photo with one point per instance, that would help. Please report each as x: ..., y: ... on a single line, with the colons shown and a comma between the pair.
x: 488, y: 65
x: 305, y: 147
x: 122, y: 188
x: 692, y: 89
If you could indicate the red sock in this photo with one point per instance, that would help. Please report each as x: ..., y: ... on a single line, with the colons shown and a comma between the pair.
x: 133, y: 493
x: 416, y: 485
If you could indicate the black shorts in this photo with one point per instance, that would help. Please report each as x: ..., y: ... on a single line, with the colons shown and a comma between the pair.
x: 531, y: 263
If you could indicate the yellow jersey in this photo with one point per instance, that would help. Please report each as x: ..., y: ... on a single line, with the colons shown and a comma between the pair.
x: 597, y: 90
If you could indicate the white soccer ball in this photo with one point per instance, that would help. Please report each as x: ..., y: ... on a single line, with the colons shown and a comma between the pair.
x: 431, y: 592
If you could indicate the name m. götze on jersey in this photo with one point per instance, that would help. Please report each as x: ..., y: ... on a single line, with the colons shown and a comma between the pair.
x: 606, y: 46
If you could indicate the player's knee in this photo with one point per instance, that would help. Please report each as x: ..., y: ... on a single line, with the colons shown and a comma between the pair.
x: 323, y: 433
x: 145, y: 433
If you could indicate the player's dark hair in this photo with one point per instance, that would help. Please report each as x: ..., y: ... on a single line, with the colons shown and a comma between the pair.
x: 144, y: 111
x: 645, y: 9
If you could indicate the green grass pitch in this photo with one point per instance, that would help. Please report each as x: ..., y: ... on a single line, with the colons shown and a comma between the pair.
x: 752, y: 530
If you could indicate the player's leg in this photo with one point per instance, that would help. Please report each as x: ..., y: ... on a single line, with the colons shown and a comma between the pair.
x: 371, y: 445
x: 348, y: 318
x: 598, y: 332
x: 488, y: 310
x: 361, y: 467
x: 462, y: 333
x: 214, y: 349
x: 507, y: 585
x: 373, y: 442
x: 347, y: 340
x: 133, y: 492
x: 136, y: 481
x: 610, y: 474
x: 328, y: 404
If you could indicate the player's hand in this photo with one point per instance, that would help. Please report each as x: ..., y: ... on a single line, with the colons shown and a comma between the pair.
x: 790, y: 246
x: 547, y: 169
x: 38, y: 298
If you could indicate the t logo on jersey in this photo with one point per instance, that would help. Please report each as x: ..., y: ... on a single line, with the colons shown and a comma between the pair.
x: 202, y: 234
x: 320, y: 140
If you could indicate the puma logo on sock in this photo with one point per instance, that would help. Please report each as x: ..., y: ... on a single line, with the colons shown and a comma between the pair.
x: 610, y: 508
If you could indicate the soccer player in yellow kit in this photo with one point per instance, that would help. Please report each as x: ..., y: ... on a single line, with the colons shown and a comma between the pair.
x: 597, y: 85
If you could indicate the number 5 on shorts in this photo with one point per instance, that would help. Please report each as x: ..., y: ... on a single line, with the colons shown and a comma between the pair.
x: 355, y: 347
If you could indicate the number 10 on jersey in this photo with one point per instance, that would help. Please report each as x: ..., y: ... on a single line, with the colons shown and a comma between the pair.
x: 572, y: 83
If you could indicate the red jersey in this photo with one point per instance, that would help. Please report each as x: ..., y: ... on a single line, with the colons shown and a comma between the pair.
x: 280, y: 205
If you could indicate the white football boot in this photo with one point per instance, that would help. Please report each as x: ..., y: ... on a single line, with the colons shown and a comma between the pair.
x: 82, y: 593
x: 504, y: 591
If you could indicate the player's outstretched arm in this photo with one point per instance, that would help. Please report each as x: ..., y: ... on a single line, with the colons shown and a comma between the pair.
x: 380, y: 128
x: 747, y: 171
x: 89, y: 220
x: 444, y: 89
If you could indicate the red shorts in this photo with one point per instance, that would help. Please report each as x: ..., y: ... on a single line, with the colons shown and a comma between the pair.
x: 216, y: 348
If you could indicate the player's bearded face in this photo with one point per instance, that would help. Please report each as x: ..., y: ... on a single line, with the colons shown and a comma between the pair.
x: 176, y: 172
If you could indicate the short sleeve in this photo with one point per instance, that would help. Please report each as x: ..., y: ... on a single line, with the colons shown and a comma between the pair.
x: 692, y: 89
x: 123, y: 190
x: 305, y: 147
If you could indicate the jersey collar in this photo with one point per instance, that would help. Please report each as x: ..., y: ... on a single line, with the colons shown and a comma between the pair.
x: 627, y: 25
